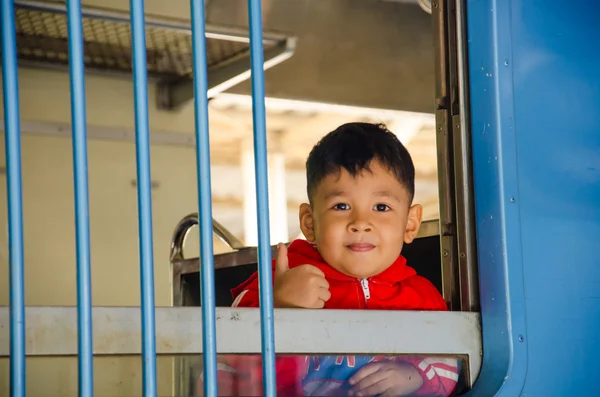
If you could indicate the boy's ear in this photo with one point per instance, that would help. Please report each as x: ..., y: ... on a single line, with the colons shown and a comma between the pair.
x: 307, y: 222
x: 415, y: 216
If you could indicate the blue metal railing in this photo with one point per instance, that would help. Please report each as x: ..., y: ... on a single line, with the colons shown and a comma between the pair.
x: 12, y: 128
x: 262, y: 197
x: 82, y: 223
x: 142, y: 145
x: 78, y: 107
x: 207, y: 274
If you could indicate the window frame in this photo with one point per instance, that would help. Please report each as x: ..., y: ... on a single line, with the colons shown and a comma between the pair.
x: 455, y: 171
x: 502, y: 302
x: 456, y: 228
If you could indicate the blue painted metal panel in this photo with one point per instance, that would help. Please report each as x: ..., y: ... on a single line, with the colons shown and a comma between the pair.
x: 536, y: 143
x: 142, y: 145
x: 262, y: 197
x: 557, y: 97
x: 207, y: 272
x: 496, y: 199
x: 82, y: 220
x: 12, y: 136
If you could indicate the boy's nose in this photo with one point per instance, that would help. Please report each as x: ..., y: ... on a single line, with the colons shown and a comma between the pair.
x: 360, y: 225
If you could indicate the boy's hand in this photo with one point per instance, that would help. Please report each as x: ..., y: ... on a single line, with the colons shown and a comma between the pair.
x: 303, y: 286
x: 386, y: 379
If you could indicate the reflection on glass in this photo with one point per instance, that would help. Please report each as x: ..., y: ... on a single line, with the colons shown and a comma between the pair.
x: 342, y: 375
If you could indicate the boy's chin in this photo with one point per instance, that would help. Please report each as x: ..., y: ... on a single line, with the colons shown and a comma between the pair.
x: 358, y: 271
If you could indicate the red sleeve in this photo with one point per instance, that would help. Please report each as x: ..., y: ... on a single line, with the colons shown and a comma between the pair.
x: 241, y: 375
x: 439, y: 374
x: 246, y: 294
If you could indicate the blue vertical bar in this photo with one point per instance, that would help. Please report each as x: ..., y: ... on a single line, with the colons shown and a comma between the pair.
x: 82, y: 225
x: 142, y: 145
x: 262, y: 197
x: 12, y: 130
x: 207, y: 276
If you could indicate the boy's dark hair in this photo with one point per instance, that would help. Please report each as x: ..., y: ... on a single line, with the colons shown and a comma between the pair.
x: 353, y: 146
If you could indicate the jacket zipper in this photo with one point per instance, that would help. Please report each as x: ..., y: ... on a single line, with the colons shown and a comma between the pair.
x: 364, y: 283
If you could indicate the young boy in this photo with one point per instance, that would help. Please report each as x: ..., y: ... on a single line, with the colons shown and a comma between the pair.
x: 360, y: 182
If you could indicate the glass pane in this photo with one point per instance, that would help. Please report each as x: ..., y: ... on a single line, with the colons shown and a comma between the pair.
x: 181, y: 376
x: 331, y: 375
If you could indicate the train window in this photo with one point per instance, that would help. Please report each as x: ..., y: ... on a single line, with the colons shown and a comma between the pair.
x: 444, y: 251
x: 445, y: 344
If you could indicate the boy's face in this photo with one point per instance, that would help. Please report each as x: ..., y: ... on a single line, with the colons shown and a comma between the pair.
x: 360, y: 224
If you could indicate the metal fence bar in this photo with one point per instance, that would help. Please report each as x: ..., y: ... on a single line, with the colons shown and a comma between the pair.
x: 140, y: 81
x: 205, y: 221
x: 262, y: 197
x: 12, y: 136
x: 82, y: 224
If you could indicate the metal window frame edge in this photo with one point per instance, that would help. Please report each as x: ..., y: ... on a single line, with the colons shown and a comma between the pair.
x: 504, y: 325
x: 52, y: 330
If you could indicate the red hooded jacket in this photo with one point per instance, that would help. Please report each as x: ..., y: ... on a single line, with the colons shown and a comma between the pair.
x: 397, y: 288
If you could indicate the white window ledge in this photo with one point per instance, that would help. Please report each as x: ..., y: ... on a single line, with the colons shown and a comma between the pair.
x: 52, y: 331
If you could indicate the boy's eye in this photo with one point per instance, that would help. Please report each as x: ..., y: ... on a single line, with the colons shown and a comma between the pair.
x: 381, y: 207
x: 341, y: 207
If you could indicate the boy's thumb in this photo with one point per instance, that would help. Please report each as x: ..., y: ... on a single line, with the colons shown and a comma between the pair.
x: 281, y: 265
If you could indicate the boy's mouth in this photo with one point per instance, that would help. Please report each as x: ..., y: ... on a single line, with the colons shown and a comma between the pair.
x: 360, y: 247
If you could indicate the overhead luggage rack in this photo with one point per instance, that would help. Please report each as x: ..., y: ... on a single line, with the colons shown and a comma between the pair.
x: 42, y: 42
